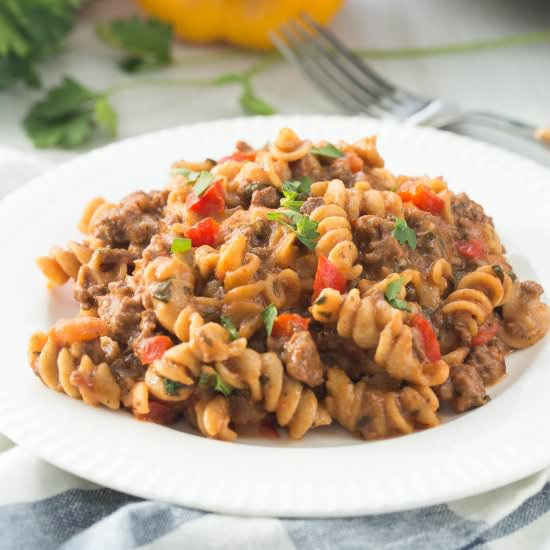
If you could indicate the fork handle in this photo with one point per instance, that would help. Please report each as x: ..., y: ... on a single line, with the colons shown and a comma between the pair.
x: 499, y: 122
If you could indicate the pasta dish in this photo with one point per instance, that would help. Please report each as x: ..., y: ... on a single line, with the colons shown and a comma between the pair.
x: 289, y: 286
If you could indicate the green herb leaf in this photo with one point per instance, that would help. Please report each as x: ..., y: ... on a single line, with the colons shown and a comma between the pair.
x: 269, y: 314
x: 146, y: 41
x: 190, y: 175
x: 163, y: 291
x: 304, y: 227
x: 306, y: 231
x: 215, y: 382
x: 289, y: 201
x: 30, y: 31
x: 228, y: 325
x: 327, y: 150
x: 301, y: 186
x: 203, y: 183
x: 252, y: 104
x: 171, y: 386
x: 280, y: 217
x: 292, y: 189
x: 181, y: 245
x: 68, y: 115
x: 403, y: 233
x: 222, y: 387
x: 392, y: 292
x: 105, y: 116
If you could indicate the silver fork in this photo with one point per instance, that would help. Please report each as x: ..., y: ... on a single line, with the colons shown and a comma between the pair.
x: 347, y: 80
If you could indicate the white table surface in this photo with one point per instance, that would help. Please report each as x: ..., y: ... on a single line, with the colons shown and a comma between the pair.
x: 515, y: 81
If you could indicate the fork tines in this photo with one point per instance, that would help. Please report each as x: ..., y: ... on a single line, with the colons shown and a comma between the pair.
x: 338, y: 72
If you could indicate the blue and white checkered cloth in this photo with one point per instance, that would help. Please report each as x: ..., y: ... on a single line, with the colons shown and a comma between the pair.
x: 43, y: 507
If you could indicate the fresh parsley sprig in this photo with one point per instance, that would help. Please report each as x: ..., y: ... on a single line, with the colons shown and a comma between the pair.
x: 403, y: 233
x: 190, y: 175
x: 215, y: 382
x: 252, y: 103
x: 327, y: 150
x: 203, y: 183
x: 68, y: 115
x: 147, y: 42
x: 31, y: 31
x: 269, y: 314
x: 304, y: 227
x: 292, y: 190
x: 171, y: 387
x: 228, y: 325
x: 392, y: 292
x: 290, y: 200
x: 300, y: 187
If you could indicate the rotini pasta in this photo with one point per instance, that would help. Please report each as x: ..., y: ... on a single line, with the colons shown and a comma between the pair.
x: 477, y: 294
x: 264, y: 376
x: 336, y: 242
x: 68, y: 370
x: 286, y: 288
x: 374, y: 413
x: 61, y: 265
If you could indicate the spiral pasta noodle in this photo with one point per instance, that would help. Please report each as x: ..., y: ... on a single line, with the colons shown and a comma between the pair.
x: 373, y: 324
x: 294, y: 406
x: 63, y: 264
x: 171, y: 379
x: 525, y: 319
x: 170, y: 282
x: 283, y: 289
x: 235, y: 266
x: 441, y: 273
x: 212, y: 418
x: 93, y: 206
x: 283, y: 244
x: 395, y: 353
x: 359, y: 200
x: 289, y: 147
x: 375, y: 413
x: 477, y: 294
x: 336, y: 240
x: 71, y: 373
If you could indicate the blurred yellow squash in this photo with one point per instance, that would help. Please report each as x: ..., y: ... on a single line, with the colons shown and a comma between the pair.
x: 241, y: 22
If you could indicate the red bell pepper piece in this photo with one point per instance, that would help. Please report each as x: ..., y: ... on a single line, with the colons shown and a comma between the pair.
x: 268, y: 428
x: 239, y: 156
x: 159, y: 413
x: 288, y: 323
x: 486, y: 332
x: 328, y: 276
x: 429, y: 339
x: 153, y: 348
x: 356, y: 163
x: 472, y: 248
x: 421, y: 197
x: 210, y: 203
x: 204, y: 232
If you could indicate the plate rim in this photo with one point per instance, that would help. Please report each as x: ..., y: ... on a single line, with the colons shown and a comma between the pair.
x: 49, y: 454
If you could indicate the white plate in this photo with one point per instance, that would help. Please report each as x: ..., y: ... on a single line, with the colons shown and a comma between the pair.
x: 329, y: 473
